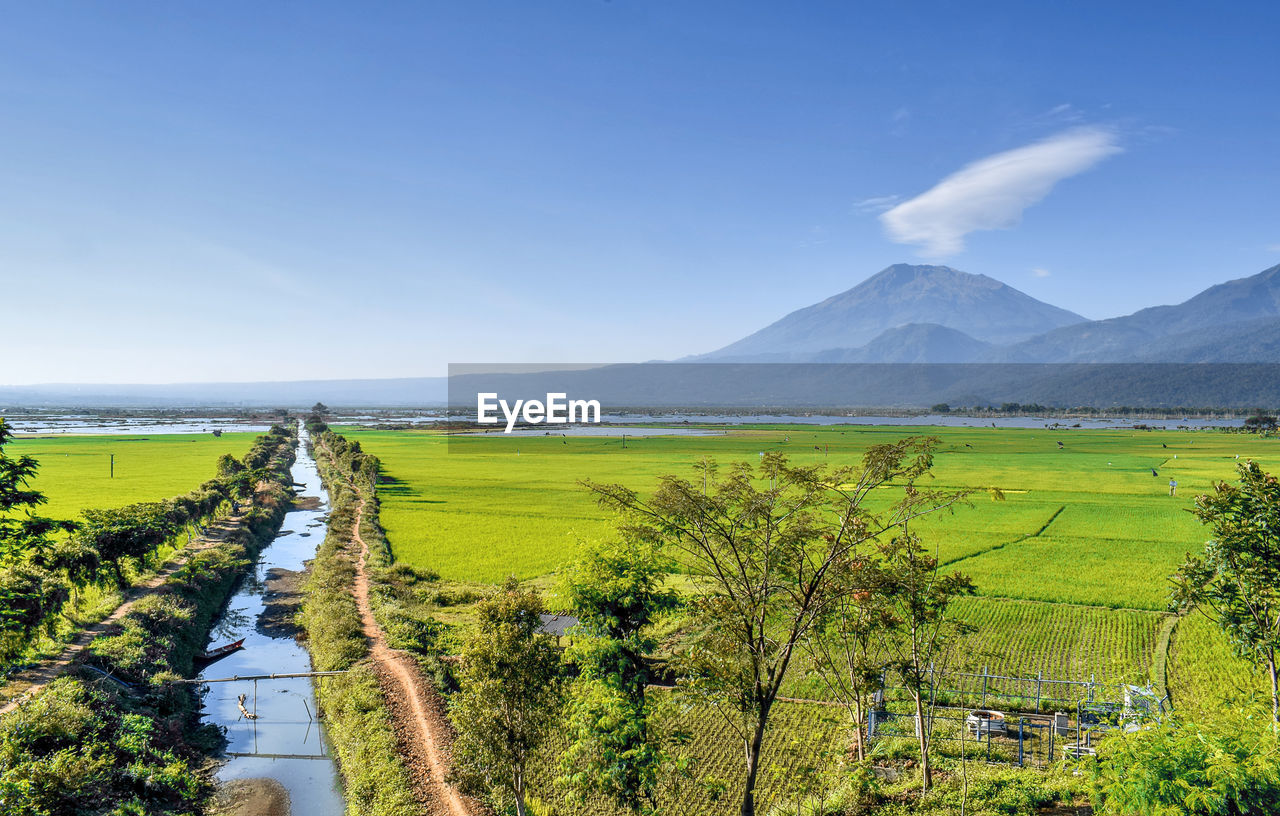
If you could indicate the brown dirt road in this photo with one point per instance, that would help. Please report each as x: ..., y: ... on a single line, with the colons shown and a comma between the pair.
x: 416, y: 707
x: 31, y: 680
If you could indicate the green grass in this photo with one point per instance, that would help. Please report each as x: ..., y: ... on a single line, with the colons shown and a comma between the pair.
x: 1071, y: 567
x: 75, y: 470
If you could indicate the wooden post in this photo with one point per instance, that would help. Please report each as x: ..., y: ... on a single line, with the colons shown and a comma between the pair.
x: 113, y: 467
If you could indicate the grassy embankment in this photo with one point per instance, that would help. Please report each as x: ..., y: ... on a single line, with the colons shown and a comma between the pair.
x: 85, y: 744
x: 375, y: 779
x: 75, y: 475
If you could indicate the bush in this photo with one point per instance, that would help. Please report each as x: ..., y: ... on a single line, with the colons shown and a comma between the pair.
x: 1218, y: 768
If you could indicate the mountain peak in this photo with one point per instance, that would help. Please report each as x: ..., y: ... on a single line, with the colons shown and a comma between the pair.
x: 914, y: 278
x: 901, y: 294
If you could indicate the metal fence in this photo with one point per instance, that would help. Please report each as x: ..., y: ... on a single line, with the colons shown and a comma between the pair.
x: 1036, y: 694
x: 1015, y: 720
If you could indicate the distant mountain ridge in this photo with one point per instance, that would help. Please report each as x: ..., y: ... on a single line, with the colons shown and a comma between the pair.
x: 1220, y: 324
x: 901, y: 295
x: 936, y: 314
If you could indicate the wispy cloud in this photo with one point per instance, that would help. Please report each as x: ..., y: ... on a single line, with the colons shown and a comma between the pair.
x: 1273, y: 247
x: 1041, y: 272
x: 876, y: 204
x: 992, y: 193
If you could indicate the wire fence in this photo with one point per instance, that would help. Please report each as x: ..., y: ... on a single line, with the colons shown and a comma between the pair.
x: 1031, y: 694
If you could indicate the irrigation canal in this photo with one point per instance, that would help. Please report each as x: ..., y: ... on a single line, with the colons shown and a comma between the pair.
x: 284, y: 742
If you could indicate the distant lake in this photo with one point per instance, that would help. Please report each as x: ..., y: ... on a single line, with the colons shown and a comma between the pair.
x: 79, y: 424
x: 612, y: 424
x: 945, y: 420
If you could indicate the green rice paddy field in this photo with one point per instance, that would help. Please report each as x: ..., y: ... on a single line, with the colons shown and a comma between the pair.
x: 75, y: 471
x: 1071, y: 567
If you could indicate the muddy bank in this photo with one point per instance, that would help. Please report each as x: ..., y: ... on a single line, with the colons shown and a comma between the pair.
x: 252, y: 797
x: 282, y: 596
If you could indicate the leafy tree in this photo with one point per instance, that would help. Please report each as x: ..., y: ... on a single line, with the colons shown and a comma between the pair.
x: 511, y: 690
x: 1236, y: 581
x: 29, y: 596
x: 29, y: 591
x: 616, y: 592
x: 918, y: 632
x: 21, y: 531
x: 765, y: 547
x: 228, y: 465
x: 1226, y: 768
x: 847, y: 649
x: 124, y: 533
x: 1261, y: 422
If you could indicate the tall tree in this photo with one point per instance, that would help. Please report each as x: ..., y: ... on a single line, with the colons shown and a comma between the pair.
x: 30, y: 594
x: 919, y: 633
x: 848, y: 649
x: 765, y: 547
x: 22, y: 531
x: 1236, y: 580
x: 511, y: 692
x: 616, y: 591
x: 127, y: 533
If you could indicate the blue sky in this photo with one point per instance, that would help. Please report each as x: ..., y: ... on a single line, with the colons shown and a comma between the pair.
x: 247, y: 191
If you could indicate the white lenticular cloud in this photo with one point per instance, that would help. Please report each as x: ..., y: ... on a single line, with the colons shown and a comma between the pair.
x: 991, y: 193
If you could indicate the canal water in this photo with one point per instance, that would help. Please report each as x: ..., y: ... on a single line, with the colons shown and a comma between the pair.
x: 285, y: 742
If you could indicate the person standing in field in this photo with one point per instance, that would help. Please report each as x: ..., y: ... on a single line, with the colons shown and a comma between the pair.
x: 1173, y: 487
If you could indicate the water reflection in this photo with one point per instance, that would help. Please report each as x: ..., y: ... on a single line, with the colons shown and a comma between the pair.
x: 284, y: 742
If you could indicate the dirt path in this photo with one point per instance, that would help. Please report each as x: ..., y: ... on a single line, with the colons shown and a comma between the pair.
x: 417, y: 710
x: 31, y: 680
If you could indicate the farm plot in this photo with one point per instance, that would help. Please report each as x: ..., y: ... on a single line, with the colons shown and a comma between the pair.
x: 76, y: 474
x: 805, y: 741
x: 1204, y: 672
x: 1116, y: 573
x: 1029, y: 639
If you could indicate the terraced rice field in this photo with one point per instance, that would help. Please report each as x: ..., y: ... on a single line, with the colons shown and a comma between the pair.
x: 1071, y: 566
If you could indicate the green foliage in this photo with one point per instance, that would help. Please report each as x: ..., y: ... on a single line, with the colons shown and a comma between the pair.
x: 129, y: 532
x: 76, y: 748
x: 21, y: 531
x: 80, y: 748
x: 767, y: 548
x: 1237, y: 579
x: 511, y: 689
x: 616, y: 591
x: 989, y: 791
x: 914, y: 629
x: 1225, y: 767
x: 30, y: 596
x: 228, y: 465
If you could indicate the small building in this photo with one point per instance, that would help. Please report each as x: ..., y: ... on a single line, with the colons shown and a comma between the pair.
x: 557, y: 625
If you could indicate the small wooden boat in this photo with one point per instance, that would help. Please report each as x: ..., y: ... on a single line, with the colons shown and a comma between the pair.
x: 221, y: 651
